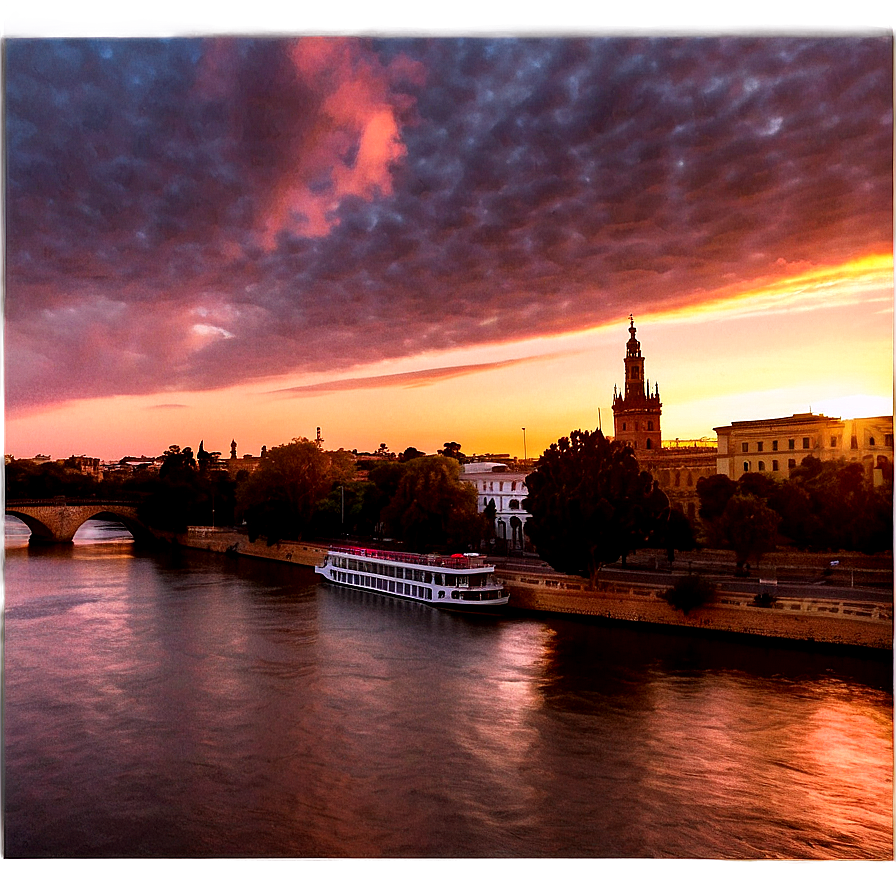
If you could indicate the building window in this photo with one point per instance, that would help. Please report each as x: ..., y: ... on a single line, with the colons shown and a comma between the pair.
x: 678, y: 477
x: 853, y: 442
x: 513, y: 486
x: 791, y: 464
x: 650, y: 425
x: 774, y: 445
x: 805, y: 442
x: 514, y: 504
x: 833, y: 441
x: 762, y: 466
x: 774, y: 466
x: 744, y: 447
x: 746, y: 466
x: 791, y: 444
x: 888, y: 440
x: 690, y: 479
x: 623, y: 427
x: 759, y: 446
x: 649, y: 444
x: 871, y: 441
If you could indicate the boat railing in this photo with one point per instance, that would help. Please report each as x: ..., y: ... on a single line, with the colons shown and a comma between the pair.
x: 459, y: 561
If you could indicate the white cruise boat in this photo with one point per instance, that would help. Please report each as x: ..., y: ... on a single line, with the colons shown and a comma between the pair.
x: 460, y: 582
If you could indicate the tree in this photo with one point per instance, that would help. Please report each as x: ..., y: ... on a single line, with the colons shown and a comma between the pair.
x: 410, y: 453
x: 432, y: 507
x: 279, y: 499
x: 590, y: 504
x: 690, y: 592
x: 714, y: 493
x: 747, y: 526
x: 452, y: 449
x: 675, y: 534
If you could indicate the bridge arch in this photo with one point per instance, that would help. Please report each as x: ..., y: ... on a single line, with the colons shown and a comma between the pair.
x: 56, y: 521
x: 39, y: 531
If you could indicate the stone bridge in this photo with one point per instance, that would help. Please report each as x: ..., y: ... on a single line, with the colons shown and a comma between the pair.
x: 55, y: 520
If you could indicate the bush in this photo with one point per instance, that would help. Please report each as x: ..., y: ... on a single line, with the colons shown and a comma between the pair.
x: 690, y: 592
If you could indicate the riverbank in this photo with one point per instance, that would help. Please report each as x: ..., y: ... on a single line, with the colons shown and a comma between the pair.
x: 855, y: 622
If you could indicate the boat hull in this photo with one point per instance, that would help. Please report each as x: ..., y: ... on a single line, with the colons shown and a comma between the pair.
x: 457, y: 584
x: 479, y: 607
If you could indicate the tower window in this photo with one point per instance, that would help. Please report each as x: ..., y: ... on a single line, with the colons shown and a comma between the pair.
x: 805, y: 442
x: 759, y: 446
x: 833, y: 441
x: 774, y: 446
x: 650, y: 425
x: 744, y: 447
x: 649, y: 444
x: 791, y: 444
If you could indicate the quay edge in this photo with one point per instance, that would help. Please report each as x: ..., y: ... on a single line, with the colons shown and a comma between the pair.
x: 822, y: 621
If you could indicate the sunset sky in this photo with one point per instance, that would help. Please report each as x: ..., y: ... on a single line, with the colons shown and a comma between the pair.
x: 417, y: 240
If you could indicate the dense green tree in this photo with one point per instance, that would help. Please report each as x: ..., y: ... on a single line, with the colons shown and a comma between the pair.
x: 748, y: 527
x: 280, y: 498
x: 27, y: 479
x: 674, y: 534
x: 590, y: 504
x: 351, y: 508
x: 452, y: 449
x: 714, y: 493
x: 824, y: 505
x: 410, y: 453
x: 690, y: 592
x: 432, y: 507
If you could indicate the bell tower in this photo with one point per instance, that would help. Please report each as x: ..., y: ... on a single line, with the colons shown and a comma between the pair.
x: 636, y: 412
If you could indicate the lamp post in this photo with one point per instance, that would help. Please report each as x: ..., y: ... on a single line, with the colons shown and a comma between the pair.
x: 525, y: 453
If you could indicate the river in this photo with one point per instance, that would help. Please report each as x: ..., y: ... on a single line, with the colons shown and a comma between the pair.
x: 210, y: 706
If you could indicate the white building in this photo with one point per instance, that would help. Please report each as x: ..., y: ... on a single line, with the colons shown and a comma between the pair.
x: 507, y: 488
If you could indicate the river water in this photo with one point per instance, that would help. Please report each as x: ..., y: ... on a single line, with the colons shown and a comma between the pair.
x: 212, y: 706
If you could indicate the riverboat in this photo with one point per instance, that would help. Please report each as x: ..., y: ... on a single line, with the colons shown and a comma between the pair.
x: 460, y: 582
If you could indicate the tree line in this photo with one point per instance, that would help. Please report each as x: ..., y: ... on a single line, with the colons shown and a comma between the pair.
x: 298, y: 491
x: 589, y: 502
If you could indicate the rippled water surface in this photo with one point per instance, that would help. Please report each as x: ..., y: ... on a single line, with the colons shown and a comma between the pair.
x: 216, y: 706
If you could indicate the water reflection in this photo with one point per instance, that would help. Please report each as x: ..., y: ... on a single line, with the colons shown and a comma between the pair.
x: 162, y: 704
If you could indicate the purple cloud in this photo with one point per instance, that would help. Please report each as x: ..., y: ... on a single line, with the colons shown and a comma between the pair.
x: 189, y: 214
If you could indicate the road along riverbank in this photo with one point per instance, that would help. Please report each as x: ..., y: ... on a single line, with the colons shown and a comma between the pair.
x: 858, y: 622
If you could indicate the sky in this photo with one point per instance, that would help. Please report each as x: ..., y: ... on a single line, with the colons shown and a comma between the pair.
x: 414, y: 240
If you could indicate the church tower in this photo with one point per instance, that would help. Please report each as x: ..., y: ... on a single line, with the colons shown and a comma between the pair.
x: 636, y: 412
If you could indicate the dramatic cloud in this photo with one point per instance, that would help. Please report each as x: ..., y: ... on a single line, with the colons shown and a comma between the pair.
x: 189, y: 214
x: 410, y: 379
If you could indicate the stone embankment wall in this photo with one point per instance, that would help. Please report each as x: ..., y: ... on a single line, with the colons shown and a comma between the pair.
x: 845, y: 622
x: 853, y: 623
x: 230, y: 541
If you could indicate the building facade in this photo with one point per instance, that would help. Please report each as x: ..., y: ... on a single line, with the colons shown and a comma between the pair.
x: 778, y: 445
x: 506, y: 488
